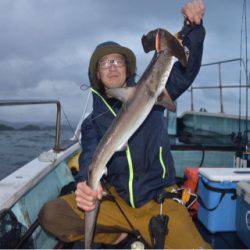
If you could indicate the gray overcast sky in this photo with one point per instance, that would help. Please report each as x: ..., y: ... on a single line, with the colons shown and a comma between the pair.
x: 46, y: 46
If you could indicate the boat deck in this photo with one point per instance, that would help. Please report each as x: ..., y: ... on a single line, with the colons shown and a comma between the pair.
x: 220, y: 240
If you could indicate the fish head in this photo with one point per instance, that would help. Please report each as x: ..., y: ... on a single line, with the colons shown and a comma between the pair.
x: 162, y: 40
x: 148, y: 41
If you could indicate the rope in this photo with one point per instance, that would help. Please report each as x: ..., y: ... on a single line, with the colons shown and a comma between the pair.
x: 55, y: 90
x: 85, y: 87
x: 243, y: 24
x: 66, y: 117
x: 241, y: 38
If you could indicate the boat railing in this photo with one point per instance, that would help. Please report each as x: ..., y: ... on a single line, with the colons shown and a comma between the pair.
x: 220, y: 86
x: 56, y: 147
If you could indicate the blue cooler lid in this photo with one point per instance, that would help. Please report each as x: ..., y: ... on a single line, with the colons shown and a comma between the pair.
x: 225, y: 174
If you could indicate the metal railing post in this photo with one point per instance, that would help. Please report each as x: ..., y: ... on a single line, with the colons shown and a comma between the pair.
x: 58, y: 127
x: 192, y: 99
x: 35, y: 102
x: 220, y: 83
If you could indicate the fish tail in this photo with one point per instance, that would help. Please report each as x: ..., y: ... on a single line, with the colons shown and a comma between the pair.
x: 90, y: 224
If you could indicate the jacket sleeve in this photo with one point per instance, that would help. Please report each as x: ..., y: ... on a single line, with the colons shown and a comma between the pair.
x: 89, y: 142
x: 181, y: 78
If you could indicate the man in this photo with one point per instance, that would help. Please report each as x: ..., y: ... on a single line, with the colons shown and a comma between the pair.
x: 145, y: 168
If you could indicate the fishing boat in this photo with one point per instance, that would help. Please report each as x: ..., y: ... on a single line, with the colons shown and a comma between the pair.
x: 199, y: 139
x: 194, y: 143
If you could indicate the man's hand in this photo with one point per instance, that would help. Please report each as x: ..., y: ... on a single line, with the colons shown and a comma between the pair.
x: 194, y: 11
x: 86, y: 197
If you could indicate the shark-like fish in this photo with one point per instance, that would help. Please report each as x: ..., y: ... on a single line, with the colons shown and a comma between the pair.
x: 138, y: 102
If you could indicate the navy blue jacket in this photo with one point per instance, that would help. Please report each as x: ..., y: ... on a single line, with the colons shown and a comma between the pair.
x: 152, y: 163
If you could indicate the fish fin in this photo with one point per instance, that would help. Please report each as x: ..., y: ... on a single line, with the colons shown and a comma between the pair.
x: 165, y: 100
x: 123, y: 147
x: 122, y: 94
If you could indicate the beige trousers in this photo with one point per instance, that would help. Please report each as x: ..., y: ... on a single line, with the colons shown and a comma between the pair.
x: 65, y: 220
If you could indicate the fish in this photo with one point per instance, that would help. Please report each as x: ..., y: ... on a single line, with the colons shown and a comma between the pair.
x: 138, y: 101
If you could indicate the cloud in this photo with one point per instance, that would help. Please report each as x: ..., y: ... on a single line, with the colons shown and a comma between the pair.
x: 46, y: 45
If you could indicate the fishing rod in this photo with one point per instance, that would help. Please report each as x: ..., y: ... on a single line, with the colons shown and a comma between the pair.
x: 247, y: 80
x: 244, y: 24
x: 241, y: 156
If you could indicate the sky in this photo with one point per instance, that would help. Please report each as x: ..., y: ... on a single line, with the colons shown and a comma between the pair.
x: 45, y: 48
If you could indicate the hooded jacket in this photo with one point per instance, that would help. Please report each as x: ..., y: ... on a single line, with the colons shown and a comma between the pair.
x: 148, y: 167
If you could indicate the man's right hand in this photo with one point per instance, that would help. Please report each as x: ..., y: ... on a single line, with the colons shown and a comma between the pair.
x: 194, y: 11
x: 86, y: 197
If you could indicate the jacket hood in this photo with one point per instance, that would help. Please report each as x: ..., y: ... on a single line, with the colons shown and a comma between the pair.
x: 104, y: 49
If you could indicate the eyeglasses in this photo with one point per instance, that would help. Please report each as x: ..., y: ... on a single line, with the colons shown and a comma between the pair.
x: 107, y: 63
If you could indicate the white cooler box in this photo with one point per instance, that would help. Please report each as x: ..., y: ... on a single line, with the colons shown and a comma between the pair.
x: 243, y: 212
x: 217, y: 197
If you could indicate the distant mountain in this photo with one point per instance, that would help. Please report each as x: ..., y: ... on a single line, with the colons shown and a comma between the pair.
x: 5, y: 127
x: 45, y: 125
x: 30, y: 127
x: 53, y: 127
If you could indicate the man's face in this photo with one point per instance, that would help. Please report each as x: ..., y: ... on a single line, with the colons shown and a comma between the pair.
x: 112, y: 71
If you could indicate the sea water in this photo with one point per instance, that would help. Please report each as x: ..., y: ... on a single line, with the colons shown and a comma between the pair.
x: 18, y: 147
